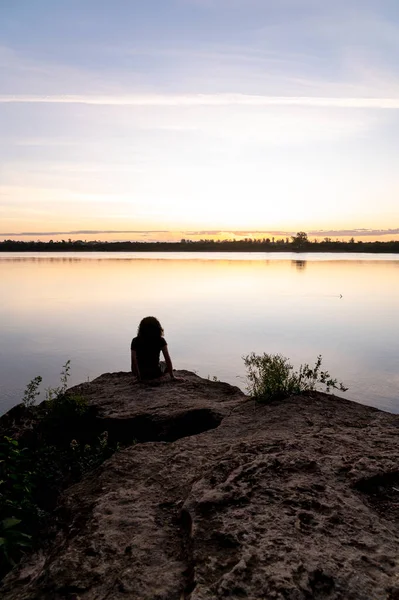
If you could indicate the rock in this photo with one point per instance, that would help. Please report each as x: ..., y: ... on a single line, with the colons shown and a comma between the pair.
x: 295, y: 500
x: 168, y: 411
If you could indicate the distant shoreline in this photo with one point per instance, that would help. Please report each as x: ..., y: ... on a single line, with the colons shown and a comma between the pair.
x: 268, y: 246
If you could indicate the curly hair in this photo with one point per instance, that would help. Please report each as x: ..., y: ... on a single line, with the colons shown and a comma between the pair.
x: 150, y: 327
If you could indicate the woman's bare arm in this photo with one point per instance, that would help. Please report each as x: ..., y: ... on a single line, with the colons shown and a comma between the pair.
x: 169, y: 365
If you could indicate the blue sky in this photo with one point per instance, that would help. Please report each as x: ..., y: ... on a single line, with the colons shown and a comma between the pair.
x: 193, y: 115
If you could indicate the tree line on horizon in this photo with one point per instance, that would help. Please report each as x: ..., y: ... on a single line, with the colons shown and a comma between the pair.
x: 299, y: 243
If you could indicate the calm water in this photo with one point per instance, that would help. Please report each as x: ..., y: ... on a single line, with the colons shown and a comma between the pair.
x: 215, y: 308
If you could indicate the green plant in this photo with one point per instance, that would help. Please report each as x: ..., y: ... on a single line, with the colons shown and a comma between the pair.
x: 32, y: 478
x: 53, y: 393
x: 271, y: 376
x: 213, y: 378
x: 60, y: 466
x: 12, y: 542
x: 15, y: 479
x: 30, y: 481
x: 89, y: 456
x: 66, y: 406
x: 62, y: 405
x: 31, y: 392
x: 18, y: 511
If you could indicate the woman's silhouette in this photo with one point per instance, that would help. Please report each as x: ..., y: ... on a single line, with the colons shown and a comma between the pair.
x: 145, y: 350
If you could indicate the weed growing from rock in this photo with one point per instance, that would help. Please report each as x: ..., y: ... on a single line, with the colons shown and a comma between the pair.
x: 35, y: 469
x: 271, y: 376
x: 31, y: 392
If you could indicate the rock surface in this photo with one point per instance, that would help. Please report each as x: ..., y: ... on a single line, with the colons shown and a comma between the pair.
x: 222, y: 497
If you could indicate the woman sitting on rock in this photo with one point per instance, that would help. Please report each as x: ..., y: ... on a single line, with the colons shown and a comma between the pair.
x: 145, y: 349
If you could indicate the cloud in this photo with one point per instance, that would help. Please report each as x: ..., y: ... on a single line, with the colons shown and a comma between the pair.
x: 193, y: 100
x: 213, y: 232
x: 82, y: 231
x: 21, y: 71
x: 316, y: 232
x: 354, y: 232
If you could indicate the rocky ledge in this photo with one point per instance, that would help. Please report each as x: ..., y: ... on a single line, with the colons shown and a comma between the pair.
x: 221, y: 497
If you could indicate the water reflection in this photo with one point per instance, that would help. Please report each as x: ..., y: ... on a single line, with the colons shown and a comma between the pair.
x: 214, y: 310
x: 299, y: 264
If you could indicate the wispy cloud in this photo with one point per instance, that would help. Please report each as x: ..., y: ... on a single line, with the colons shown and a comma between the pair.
x: 212, y: 232
x: 81, y: 232
x: 229, y: 114
x: 354, y: 232
x: 207, y: 100
x: 315, y: 232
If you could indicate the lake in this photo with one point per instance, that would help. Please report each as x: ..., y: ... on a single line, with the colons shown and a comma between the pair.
x: 214, y: 307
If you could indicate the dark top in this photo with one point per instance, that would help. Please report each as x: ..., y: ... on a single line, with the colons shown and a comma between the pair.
x: 148, y: 356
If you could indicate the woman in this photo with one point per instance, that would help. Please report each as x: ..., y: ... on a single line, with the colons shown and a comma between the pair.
x: 145, y: 350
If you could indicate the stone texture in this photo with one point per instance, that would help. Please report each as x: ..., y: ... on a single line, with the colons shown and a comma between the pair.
x: 165, y: 411
x: 294, y: 500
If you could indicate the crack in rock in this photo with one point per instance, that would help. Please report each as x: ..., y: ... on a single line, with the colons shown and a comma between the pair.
x: 148, y: 428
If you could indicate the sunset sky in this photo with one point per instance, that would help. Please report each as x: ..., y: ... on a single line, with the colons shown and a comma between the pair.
x: 145, y: 118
